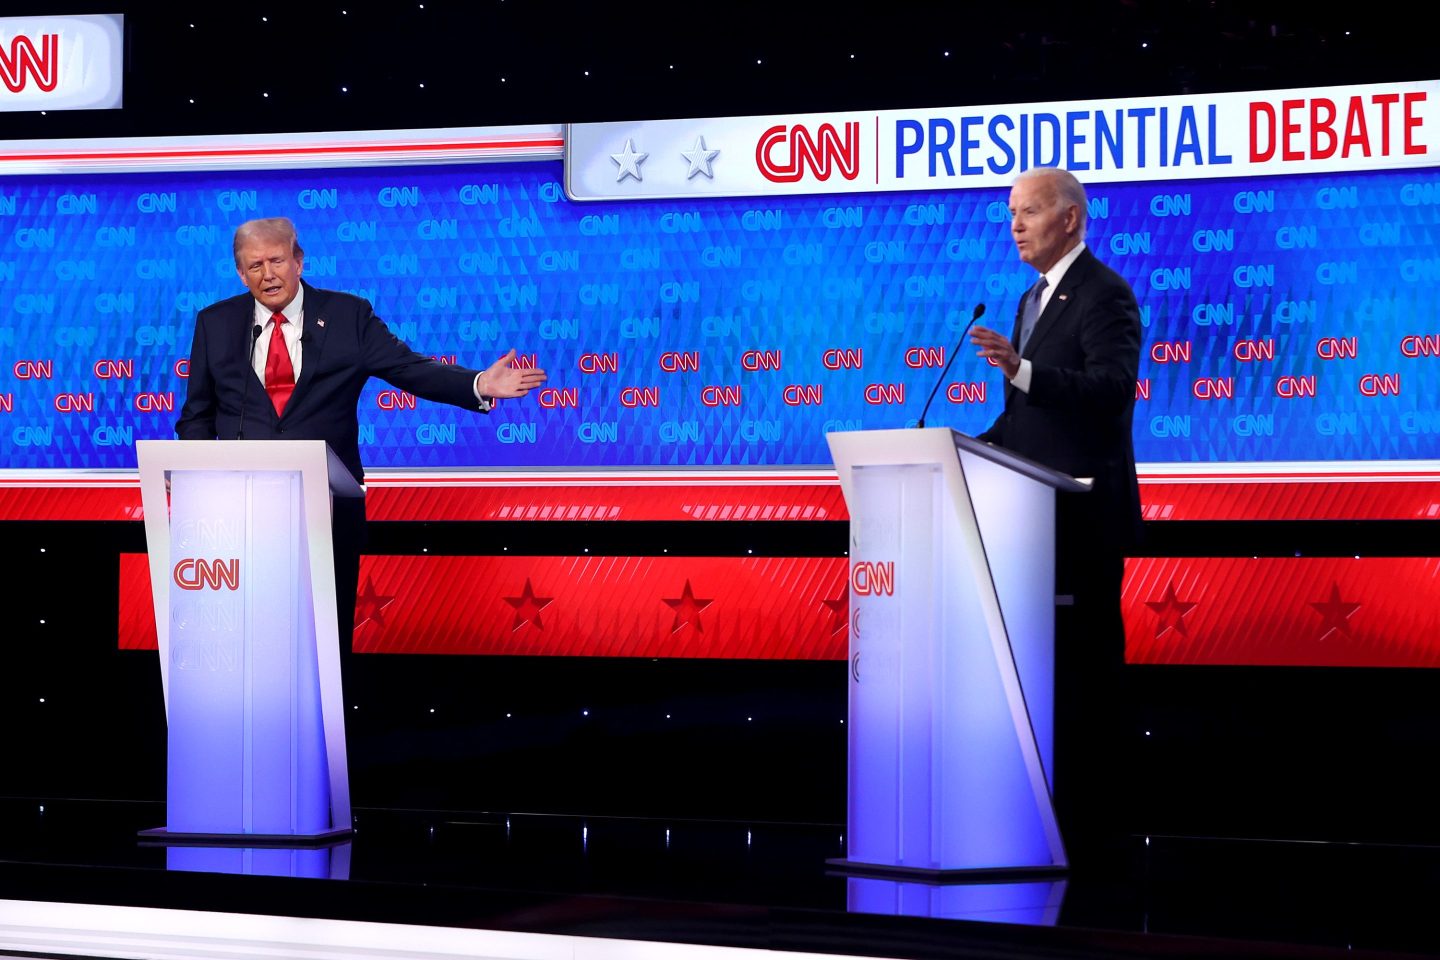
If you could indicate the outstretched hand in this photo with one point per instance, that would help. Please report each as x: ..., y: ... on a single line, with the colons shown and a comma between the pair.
x: 502, y: 380
x: 996, y: 348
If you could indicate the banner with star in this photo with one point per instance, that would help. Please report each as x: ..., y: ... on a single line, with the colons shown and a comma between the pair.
x: 1282, y: 611
x: 771, y: 608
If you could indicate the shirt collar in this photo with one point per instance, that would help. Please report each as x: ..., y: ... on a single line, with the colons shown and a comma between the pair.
x: 1055, y: 274
x: 293, y: 311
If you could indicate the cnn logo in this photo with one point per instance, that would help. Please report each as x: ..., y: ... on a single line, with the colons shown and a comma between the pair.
x: 198, y: 574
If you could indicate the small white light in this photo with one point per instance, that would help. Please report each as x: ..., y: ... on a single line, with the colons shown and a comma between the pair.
x: 852, y: 56
x: 842, y: 723
x: 502, y: 79
x: 265, y: 95
x: 192, y: 99
x: 672, y: 67
x: 422, y: 86
x: 424, y: 549
x: 667, y: 716
x: 264, y: 19
x: 344, y: 89
x: 42, y: 810
x: 1147, y: 733
x: 1144, y: 46
x: 748, y: 719
x: 748, y: 550
x: 587, y: 73
x: 355, y: 707
x: 42, y: 549
x: 947, y: 53
x: 192, y: 26
x: 587, y: 549
x: 42, y: 621
x: 507, y: 716
x: 1147, y: 841
x: 747, y: 838
x: 584, y: 713
x: 432, y: 709
x: 759, y: 61
x: 42, y: 699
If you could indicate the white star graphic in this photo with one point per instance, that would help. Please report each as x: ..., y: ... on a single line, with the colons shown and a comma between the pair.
x: 629, y: 162
x: 699, y: 158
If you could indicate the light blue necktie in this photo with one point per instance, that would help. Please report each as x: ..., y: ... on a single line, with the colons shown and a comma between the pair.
x: 1031, y: 313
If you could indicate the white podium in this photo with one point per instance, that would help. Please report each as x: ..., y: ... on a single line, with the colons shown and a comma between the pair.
x: 952, y: 635
x: 243, y: 579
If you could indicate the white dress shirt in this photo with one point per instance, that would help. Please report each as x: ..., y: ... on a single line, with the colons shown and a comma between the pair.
x: 1053, y: 276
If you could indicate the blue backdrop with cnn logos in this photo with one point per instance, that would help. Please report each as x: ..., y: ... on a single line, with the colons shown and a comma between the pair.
x: 1285, y: 318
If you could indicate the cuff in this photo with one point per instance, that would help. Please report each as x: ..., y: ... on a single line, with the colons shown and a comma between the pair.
x: 1021, y: 380
x: 486, y: 403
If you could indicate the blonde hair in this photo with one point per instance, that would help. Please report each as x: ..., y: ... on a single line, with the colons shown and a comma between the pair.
x: 278, y: 229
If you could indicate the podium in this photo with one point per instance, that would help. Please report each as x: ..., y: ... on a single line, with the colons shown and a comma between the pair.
x: 952, y: 637
x: 243, y: 579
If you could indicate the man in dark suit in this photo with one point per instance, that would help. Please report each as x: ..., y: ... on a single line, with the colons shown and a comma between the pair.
x: 287, y: 361
x: 1071, y: 366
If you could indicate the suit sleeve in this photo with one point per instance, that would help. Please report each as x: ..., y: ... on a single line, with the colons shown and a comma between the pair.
x: 386, y: 357
x: 1109, y: 340
x: 197, y: 415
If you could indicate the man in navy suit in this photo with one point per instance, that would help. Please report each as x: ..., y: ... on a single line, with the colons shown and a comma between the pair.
x: 287, y: 361
x: 1071, y: 365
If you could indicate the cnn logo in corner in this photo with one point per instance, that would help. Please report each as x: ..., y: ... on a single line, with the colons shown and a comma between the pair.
x: 62, y: 63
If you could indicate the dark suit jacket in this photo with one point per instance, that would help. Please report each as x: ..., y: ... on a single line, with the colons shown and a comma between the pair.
x: 1085, y: 355
x: 343, y: 344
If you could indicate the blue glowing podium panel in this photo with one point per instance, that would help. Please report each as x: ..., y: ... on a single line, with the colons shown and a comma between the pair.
x: 952, y: 634
x: 242, y: 575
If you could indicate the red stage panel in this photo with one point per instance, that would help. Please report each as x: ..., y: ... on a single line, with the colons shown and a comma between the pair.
x: 137, y: 610
x: 778, y: 608
x: 784, y: 608
x: 1283, y: 611
x: 1344, y: 498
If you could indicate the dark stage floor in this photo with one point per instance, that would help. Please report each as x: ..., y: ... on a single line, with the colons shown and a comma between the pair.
x: 758, y: 885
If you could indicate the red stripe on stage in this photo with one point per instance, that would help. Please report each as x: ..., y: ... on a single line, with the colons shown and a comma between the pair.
x: 1338, y: 499
x: 1283, y: 611
x: 775, y: 608
x: 137, y: 610
x: 326, y: 149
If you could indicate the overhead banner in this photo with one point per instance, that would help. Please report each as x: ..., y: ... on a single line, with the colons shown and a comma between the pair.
x: 62, y: 63
x: 1312, y: 130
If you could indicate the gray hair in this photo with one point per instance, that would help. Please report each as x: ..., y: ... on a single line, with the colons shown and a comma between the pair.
x: 1068, y: 190
x: 277, y: 229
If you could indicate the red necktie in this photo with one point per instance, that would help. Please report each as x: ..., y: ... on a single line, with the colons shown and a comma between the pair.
x: 279, y: 374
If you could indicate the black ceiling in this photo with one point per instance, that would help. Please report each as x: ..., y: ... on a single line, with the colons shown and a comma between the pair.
x: 338, y: 66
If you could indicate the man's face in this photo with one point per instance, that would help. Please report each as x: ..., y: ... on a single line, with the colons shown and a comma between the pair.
x: 1044, y: 228
x: 271, y: 269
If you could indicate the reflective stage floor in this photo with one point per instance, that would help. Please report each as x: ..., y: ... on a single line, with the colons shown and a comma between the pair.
x: 576, y: 887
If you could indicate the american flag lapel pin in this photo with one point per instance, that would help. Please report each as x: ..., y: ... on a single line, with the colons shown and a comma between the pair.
x: 320, y: 323
x: 1062, y: 296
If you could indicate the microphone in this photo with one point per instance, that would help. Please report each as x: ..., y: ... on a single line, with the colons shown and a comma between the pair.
x: 979, y: 312
x: 250, y: 375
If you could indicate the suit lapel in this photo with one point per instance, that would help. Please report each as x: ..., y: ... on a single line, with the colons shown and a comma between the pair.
x: 1059, y: 301
x: 246, y: 343
x: 312, y: 342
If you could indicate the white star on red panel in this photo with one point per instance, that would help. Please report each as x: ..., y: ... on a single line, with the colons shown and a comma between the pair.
x: 687, y: 609
x: 528, y: 606
x: 1336, y: 612
x: 369, y: 605
x: 1170, y: 612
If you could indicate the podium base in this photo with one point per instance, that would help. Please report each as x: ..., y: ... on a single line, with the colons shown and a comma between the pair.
x: 161, y: 837
x: 890, y: 871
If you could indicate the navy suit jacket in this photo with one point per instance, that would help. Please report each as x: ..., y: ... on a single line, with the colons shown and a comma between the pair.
x: 1085, y: 356
x: 343, y: 344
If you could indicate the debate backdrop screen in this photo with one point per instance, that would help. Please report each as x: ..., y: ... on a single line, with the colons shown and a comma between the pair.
x: 1285, y: 317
